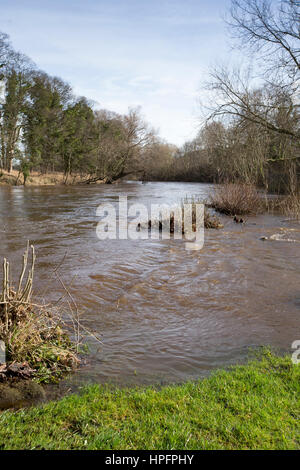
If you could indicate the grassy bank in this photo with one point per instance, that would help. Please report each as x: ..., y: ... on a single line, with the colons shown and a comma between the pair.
x: 255, y: 406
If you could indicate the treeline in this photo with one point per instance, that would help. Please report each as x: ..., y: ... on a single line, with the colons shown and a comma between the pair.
x: 44, y: 127
x: 241, y: 152
x: 252, y: 126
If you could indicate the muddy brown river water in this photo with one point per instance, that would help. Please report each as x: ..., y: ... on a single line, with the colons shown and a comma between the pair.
x: 165, y: 314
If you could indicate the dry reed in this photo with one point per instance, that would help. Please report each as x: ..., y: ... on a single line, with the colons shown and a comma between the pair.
x: 31, y: 333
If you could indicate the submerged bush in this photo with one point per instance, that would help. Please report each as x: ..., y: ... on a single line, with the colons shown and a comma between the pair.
x: 233, y: 199
x: 35, y: 339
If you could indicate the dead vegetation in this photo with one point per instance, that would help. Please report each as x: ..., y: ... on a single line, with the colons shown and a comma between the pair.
x: 37, y: 342
x: 210, y: 221
x: 236, y: 199
x: 287, y: 205
x: 35, y: 178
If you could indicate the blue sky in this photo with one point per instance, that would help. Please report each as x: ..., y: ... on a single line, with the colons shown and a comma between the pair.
x: 120, y: 53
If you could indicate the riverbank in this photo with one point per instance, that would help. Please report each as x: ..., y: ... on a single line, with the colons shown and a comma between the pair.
x: 14, y: 178
x: 253, y: 406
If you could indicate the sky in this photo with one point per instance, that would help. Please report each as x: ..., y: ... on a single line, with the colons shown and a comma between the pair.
x: 126, y: 53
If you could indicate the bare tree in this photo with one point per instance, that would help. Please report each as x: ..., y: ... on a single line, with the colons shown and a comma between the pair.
x: 158, y: 160
x: 5, y: 48
x: 121, y: 141
x: 235, y: 97
x: 270, y: 29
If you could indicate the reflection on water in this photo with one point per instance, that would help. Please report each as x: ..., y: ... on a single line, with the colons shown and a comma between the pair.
x: 165, y: 313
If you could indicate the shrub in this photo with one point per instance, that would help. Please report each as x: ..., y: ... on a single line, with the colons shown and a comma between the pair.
x: 236, y: 199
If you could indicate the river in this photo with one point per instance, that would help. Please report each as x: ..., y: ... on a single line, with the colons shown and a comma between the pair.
x: 165, y: 314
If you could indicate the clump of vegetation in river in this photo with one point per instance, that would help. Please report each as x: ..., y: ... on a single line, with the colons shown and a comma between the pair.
x: 36, y: 341
x: 252, y: 406
x: 233, y: 199
x: 210, y: 220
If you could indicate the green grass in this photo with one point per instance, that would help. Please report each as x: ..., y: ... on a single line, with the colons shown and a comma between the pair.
x: 254, y: 406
